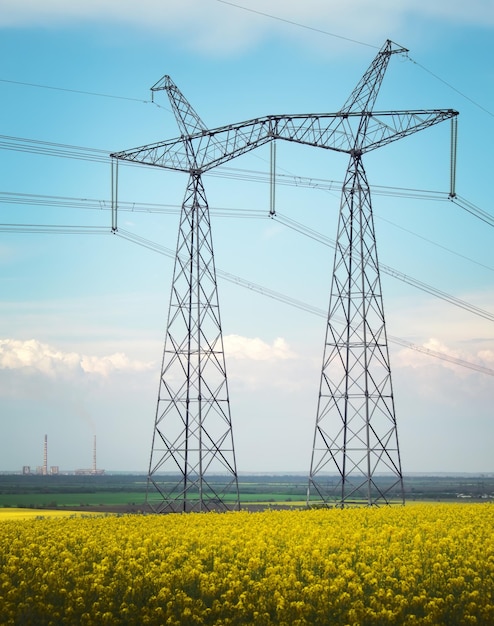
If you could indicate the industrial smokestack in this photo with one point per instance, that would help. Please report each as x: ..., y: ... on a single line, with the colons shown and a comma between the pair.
x: 45, y: 456
x: 93, y: 471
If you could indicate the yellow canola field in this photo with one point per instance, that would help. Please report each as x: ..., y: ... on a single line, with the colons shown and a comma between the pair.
x: 22, y: 513
x: 418, y: 564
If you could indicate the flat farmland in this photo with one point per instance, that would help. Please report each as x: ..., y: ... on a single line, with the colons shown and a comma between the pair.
x: 127, y: 492
x: 413, y: 565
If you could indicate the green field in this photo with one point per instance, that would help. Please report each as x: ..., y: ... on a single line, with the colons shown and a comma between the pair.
x: 128, y: 490
x: 47, y: 500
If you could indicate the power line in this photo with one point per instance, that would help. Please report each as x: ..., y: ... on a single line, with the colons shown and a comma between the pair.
x: 68, y: 202
x: 247, y: 284
x: 79, y: 152
x: 361, y: 43
x: 442, y: 355
x: 299, y: 304
x: 47, y: 148
x: 263, y: 14
x: 463, y: 95
x: 55, y: 229
x: 61, y: 150
x: 313, y: 234
x: 78, y: 91
x: 438, y: 245
x: 471, y: 208
x: 147, y: 207
x: 82, y: 203
x: 312, y: 28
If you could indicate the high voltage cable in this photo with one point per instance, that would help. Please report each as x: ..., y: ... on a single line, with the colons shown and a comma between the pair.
x: 281, y: 19
x: 386, y: 269
x: 54, y: 229
x: 466, y: 205
x: 90, y: 154
x: 94, y: 154
x: 290, y: 223
x: 438, y: 245
x: 270, y: 16
x: 25, y: 198
x: 463, y: 95
x: 68, y: 202
x: 105, y: 205
x: 323, y: 184
x: 143, y: 207
x: 78, y: 91
x: 270, y: 293
x: 48, y: 148
x: 361, y: 43
x: 54, y: 149
x: 442, y: 355
x: 275, y: 295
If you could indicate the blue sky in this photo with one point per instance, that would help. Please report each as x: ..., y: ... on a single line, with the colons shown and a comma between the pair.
x: 83, y: 315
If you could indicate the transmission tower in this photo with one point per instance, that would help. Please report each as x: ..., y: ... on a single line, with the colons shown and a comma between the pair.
x: 355, y: 436
x: 192, y: 465
x: 193, y: 440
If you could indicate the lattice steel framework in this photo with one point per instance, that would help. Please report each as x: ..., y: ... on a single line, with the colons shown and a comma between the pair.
x: 193, y: 465
x: 356, y: 456
x: 355, y: 434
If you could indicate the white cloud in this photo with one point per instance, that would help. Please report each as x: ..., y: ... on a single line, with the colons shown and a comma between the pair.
x: 474, y: 12
x: 201, y: 25
x: 45, y: 359
x: 487, y: 357
x: 420, y: 359
x: 117, y: 361
x: 255, y: 349
x: 218, y: 26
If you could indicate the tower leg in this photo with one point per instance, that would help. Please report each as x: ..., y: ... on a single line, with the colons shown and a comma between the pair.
x: 192, y: 465
x: 355, y: 457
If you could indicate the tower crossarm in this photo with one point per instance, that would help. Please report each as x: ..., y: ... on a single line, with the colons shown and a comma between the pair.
x: 332, y: 131
x: 188, y: 120
x: 217, y: 146
x: 387, y: 126
x: 363, y: 97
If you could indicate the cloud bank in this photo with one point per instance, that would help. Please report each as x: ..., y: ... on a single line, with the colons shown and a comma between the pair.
x: 219, y: 26
x: 34, y: 356
x: 39, y: 357
x: 255, y: 349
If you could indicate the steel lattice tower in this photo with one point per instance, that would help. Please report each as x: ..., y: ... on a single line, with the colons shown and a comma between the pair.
x: 193, y: 429
x: 355, y: 432
x: 192, y: 465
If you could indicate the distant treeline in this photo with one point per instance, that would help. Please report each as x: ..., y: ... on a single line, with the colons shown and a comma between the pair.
x: 279, y: 487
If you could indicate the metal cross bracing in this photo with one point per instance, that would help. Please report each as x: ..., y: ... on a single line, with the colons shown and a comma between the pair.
x: 193, y: 463
x: 193, y: 431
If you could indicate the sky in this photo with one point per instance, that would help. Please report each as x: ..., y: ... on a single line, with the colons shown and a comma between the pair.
x: 83, y: 314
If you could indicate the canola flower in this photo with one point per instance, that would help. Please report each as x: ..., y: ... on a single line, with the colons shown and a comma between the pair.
x: 418, y: 564
x: 22, y: 513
